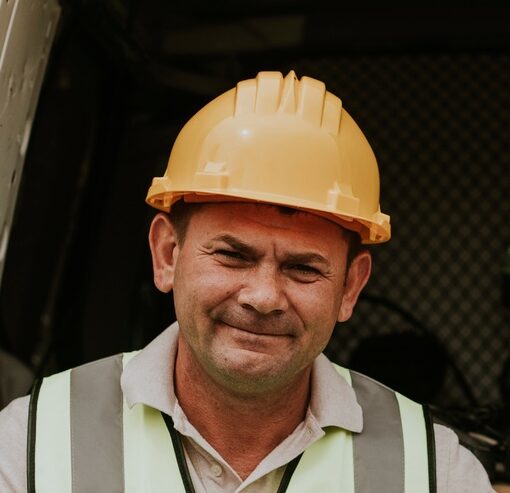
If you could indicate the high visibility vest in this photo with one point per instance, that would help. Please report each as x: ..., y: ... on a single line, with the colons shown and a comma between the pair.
x: 83, y: 438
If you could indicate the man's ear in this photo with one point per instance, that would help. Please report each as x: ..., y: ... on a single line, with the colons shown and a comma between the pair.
x: 165, y: 250
x: 357, y: 277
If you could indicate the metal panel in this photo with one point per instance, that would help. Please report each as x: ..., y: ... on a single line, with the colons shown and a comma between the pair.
x: 27, y: 30
x: 439, y: 124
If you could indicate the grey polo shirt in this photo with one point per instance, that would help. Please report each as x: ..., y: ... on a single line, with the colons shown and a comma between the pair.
x: 148, y: 379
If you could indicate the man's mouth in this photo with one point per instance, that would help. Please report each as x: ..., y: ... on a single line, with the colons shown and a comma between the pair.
x: 257, y: 329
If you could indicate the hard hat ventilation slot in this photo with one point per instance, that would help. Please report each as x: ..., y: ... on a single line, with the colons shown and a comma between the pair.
x: 288, y: 102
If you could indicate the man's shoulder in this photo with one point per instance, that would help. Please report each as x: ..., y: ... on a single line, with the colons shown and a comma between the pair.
x: 13, y: 445
x: 458, y: 470
x: 15, y: 414
x: 14, y: 421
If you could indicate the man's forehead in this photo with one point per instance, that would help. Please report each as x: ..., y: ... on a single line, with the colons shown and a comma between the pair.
x: 241, y: 208
x: 244, y: 214
x: 238, y: 207
x: 196, y: 202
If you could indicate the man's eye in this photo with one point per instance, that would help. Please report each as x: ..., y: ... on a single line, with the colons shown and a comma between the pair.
x: 232, y: 255
x: 305, y: 269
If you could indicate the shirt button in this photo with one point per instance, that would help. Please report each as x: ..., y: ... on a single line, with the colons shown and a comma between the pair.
x: 216, y: 470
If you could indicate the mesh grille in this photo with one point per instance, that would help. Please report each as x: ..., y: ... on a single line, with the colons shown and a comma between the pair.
x: 440, y: 127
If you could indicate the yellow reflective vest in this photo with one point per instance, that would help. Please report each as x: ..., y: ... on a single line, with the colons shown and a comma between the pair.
x: 84, y: 438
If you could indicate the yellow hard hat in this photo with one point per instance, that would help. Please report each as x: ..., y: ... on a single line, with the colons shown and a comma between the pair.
x: 281, y: 141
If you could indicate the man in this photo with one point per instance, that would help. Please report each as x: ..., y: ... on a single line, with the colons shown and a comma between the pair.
x: 271, y: 189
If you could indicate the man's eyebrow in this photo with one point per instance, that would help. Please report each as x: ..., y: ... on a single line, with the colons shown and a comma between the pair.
x: 307, y: 258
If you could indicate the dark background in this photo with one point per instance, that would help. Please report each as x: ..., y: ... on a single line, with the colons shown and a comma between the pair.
x: 429, y: 86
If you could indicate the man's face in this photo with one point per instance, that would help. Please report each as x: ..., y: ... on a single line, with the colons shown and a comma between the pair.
x: 257, y: 292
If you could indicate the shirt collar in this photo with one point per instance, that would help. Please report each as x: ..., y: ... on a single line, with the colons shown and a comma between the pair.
x: 148, y: 376
x: 148, y: 379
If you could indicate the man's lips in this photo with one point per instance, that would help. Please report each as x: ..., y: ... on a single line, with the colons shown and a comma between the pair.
x: 258, y: 330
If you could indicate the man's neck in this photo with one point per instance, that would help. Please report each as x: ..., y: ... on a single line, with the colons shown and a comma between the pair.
x: 242, y: 428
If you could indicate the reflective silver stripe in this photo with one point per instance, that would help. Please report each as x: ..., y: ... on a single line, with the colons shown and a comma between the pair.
x: 97, y: 458
x: 379, y: 449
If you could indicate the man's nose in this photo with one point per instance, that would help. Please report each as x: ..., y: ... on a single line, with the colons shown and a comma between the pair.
x: 264, y: 292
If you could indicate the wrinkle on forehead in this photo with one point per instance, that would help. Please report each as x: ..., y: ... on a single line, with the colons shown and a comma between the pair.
x: 291, y: 212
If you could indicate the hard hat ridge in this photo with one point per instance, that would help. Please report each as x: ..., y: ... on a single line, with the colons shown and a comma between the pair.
x: 307, y: 98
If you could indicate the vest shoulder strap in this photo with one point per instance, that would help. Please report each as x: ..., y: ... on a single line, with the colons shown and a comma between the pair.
x: 395, y: 451
x: 390, y: 455
x: 76, y: 430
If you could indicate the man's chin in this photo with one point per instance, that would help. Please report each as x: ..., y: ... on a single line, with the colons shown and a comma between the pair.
x: 248, y: 368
